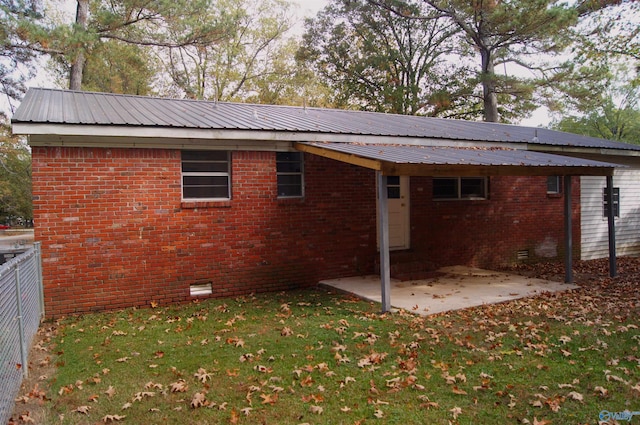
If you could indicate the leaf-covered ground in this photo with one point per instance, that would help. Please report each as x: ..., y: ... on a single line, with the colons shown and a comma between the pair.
x: 315, y: 357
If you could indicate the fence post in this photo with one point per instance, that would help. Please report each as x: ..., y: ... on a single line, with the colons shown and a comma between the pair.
x: 23, y: 351
x: 38, y: 258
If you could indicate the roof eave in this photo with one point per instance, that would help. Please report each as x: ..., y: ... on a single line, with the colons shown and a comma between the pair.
x: 87, y: 135
x: 581, y: 150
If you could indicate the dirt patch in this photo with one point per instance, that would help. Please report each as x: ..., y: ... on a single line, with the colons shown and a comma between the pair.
x: 35, y: 390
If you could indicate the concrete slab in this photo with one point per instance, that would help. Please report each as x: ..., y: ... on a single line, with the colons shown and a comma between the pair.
x: 456, y: 288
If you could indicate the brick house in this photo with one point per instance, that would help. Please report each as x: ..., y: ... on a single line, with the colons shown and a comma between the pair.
x: 143, y: 200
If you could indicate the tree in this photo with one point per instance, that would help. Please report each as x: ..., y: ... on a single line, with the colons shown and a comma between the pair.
x: 250, y: 51
x: 605, y: 59
x: 289, y: 82
x: 15, y: 177
x: 502, y: 33
x: 612, y: 113
x: 374, y: 59
x: 17, y: 59
x: 110, y: 25
x: 117, y: 67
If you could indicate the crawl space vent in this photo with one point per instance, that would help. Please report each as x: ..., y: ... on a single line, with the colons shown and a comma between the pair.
x: 198, y: 289
x: 523, y: 254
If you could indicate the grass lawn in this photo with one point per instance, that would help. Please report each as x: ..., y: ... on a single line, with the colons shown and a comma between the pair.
x: 314, y: 357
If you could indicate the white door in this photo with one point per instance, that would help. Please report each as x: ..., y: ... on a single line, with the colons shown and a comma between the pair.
x: 398, y: 199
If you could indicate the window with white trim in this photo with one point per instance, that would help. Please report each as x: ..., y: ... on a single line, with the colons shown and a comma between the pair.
x: 290, y: 174
x: 206, y: 175
x: 554, y: 185
x: 468, y: 188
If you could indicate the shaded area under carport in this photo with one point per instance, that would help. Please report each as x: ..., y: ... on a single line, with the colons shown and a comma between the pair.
x: 455, y: 288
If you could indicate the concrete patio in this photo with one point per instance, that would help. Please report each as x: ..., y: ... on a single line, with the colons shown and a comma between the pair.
x: 456, y: 287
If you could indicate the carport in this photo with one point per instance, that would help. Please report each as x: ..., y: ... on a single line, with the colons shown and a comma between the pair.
x: 464, y: 161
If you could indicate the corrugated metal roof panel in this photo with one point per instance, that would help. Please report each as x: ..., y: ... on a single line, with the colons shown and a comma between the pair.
x: 69, y: 107
x: 428, y: 155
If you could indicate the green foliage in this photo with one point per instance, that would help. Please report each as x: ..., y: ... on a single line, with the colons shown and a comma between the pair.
x: 615, y: 115
x: 116, y: 67
x: 246, y: 60
x: 17, y: 59
x: 374, y: 59
x: 510, y: 39
x: 15, y: 177
x: 118, y: 39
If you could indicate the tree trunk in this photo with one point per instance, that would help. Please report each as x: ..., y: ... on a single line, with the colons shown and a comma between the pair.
x: 488, y: 87
x: 77, y: 67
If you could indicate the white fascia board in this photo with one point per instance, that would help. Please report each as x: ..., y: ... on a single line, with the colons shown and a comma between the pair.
x: 582, y: 150
x: 127, y: 136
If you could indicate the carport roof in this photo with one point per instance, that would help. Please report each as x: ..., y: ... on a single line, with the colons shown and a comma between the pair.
x: 410, y: 160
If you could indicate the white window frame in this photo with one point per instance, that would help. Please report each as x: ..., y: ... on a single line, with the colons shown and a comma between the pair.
x: 290, y: 173
x: 459, y: 196
x: 558, y: 185
x: 226, y: 174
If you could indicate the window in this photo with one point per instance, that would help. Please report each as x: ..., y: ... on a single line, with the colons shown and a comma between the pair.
x: 393, y: 187
x: 460, y: 188
x: 554, y: 185
x: 290, y: 174
x: 206, y: 175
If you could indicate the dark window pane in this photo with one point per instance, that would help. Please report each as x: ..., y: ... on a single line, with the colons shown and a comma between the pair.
x: 205, y: 156
x: 290, y: 179
x: 445, y: 188
x: 205, y: 167
x: 289, y: 173
x: 553, y: 184
x: 289, y: 167
x: 472, y: 188
x: 205, y: 192
x: 289, y: 156
x: 393, y: 192
x: 205, y: 180
x: 289, y: 190
x: 393, y: 180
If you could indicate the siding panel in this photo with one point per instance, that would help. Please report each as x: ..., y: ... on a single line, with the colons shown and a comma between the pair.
x: 595, y: 242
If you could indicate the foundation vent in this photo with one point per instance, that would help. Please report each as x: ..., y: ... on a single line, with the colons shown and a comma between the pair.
x: 523, y: 254
x: 199, y: 289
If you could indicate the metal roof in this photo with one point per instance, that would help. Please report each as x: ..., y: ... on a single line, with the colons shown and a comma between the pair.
x: 77, y: 109
x: 448, y: 161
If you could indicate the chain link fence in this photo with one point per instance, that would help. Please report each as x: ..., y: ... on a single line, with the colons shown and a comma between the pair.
x: 21, y: 309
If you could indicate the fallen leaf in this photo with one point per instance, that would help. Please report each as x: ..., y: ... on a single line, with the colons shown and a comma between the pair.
x: 198, y: 400
x: 26, y: 418
x: 179, y: 386
x: 601, y: 390
x: 459, y: 391
x: 112, y: 418
x: 316, y: 409
x: 269, y: 398
x: 202, y: 375
x: 575, y: 396
x: 456, y: 411
x: 83, y: 409
x: 110, y: 391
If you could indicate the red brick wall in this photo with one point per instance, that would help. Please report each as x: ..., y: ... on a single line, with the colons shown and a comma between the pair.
x: 115, y: 233
x: 519, y: 215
